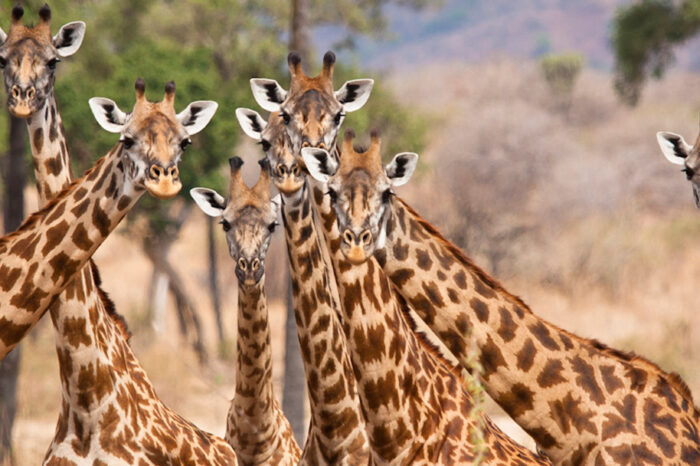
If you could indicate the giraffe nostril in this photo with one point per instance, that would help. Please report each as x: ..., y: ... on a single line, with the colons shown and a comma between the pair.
x: 305, y: 144
x: 156, y: 171
x: 242, y: 264
x: 348, y: 236
x: 255, y: 264
x: 321, y: 145
x: 16, y: 91
x: 365, y: 237
x: 173, y: 172
x: 281, y: 170
x: 296, y: 170
x: 30, y: 93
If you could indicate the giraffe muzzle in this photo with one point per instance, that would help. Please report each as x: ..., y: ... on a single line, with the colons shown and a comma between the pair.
x: 355, y: 245
x: 22, y: 102
x: 163, y: 183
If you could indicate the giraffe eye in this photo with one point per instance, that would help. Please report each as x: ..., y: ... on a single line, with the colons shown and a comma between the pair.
x: 185, y: 142
x: 285, y: 118
x: 272, y: 226
x: 689, y: 172
x: 265, y: 145
x: 3, y: 62
x: 225, y: 225
x: 333, y: 195
x: 52, y: 63
x: 386, y: 196
x: 338, y: 117
x: 127, y: 142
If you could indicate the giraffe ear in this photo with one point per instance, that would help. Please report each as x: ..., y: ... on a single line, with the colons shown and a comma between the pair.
x: 268, y: 93
x: 69, y: 38
x: 320, y: 164
x: 209, y: 201
x: 108, y: 114
x: 197, y: 115
x: 674, y: 147
x: 354, y: 94
x: 251, y: 122
x: 3, y: 36
x: 401, y: 168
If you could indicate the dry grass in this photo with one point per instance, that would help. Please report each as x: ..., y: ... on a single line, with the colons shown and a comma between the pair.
x: 576, y: 212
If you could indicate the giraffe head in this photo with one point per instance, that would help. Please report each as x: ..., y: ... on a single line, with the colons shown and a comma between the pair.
x: 249, y: 218
x: 153, y: 136
x: 286, y: 168
x: 360, y: 191
x: 28, y: 58
x: 679, y: 152
x: 311, y: 111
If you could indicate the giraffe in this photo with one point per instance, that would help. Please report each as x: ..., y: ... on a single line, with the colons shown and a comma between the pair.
x: 337, y: 430
x: 416, y: 407
x: 257, y: 429
x: 679, y: 152
x: 582, y: 402
x: 311, y: 110
x: 110, y: 413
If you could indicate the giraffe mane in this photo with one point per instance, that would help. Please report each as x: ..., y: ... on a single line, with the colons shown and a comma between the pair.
x: 109, y: 306
x: 629, y: 357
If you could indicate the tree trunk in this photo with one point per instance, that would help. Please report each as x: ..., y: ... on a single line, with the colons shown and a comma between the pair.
x: 13, y: 214
x: 300, y: 29
x: 294, y: 393
x: 214, y: 279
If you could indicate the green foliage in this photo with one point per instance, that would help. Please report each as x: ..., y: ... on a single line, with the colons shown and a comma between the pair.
x: 561, y: 71
x: 643, y: 37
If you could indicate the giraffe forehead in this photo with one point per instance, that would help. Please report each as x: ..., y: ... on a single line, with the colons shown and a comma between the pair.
x: 155, y: 126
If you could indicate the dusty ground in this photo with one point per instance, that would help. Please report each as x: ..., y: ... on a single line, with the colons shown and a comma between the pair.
x: 594, y: 262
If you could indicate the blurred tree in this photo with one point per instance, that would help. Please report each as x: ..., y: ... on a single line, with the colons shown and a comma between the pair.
x: 561, y: 72
x: 643, y: 36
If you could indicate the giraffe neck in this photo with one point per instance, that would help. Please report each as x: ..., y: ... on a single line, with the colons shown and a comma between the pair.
x: 256, y: 427
x: 567, y: 392
x: 337, y: 430
x: 49, y: 150
x: 40, y: 259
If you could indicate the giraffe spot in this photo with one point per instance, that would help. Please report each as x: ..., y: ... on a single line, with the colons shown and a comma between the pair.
x: 369, y: 344
x: 491, y: 358
x: 665, y: 392
x: 586, y: 379
x: 123, y: 203
x: 56, y: 212
x: 53, y: 165
x: 29, y: 296
x: 581, y: 454
x: 24, y: 248
x: 480, y: 309
x: 655, y: 422
x: 11, y: 333
x: 75, y: 331
x: 540, y: 331
x: 400, y: 250
x: 543, y: 438
x: 508, y: 327
x: 54, y: 235
x: 517, y: 400
x: 481, y: 288
x: 690, y: 454
x: 100, y: 220
x: 433, y: 293
x: 111, y: 190
x: 633, y: 455
x: 452, y: 294
x: 461, y: 279
x: 401, y: 276
x: 8, y: 277
x: 568, y: 414
x: 423, y: 259
x: 610, y: 380
x: 551, y: 374
x: 38, y: 139
x: 382, y: 392
x: 80, y: 238
x: 304, y: 235
x: 614, y: 425
x: 64, y: 268
x: 424, y: 308
x: 352, y: 297
x: 627, y: 408
x: 80, y: 208
x: 526, y: 355
x: 79, y: 193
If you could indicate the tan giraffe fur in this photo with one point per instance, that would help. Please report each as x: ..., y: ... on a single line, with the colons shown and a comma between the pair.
x: 337, y: 430
x: 582, y: 402
x: 110, y: 413
x: 257, y: 429
x: 416, y: 407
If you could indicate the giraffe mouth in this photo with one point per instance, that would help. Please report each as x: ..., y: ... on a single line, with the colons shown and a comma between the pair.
x: 356, y: 255
x: 20, y: 110
x: 164, y: 188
